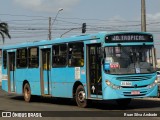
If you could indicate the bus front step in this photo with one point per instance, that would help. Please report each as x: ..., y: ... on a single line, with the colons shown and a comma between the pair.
x: 46, y: 95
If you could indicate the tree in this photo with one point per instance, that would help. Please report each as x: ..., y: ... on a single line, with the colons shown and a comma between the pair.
x: 4, y: 31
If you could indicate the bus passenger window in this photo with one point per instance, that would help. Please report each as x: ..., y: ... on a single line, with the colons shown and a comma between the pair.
x: 76, y: 54
x: 21, y: 58
x: 59, y: 53
x: 33, y: 57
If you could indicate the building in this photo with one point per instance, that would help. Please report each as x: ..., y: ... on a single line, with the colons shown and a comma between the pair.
x: 0, y: 65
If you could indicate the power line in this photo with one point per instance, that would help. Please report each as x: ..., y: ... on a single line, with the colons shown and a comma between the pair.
x: 22, y: 15
x: 39, y: 25
x: 25, y: 20
x: 72, y: 18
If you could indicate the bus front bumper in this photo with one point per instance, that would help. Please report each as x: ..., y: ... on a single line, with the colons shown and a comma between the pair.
x: 110, y: 93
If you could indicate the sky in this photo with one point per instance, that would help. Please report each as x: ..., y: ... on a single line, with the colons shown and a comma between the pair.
x: 28, y: 20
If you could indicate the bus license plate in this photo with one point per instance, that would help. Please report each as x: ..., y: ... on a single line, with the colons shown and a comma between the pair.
x: 135, y: 92
x: 126, y: 83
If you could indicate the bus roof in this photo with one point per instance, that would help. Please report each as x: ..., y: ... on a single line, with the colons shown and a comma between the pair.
x: 69, y: 39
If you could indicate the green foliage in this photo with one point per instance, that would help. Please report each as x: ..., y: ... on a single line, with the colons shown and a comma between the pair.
x: 4, y: 31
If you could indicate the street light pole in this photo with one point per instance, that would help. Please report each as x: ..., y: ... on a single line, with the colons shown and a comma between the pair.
x: 49, y: 30
x: 143, y: 16
x: 51, y: 24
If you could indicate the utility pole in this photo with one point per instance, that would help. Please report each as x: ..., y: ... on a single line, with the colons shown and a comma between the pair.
x: 49, y: 30
x: 143, y: 16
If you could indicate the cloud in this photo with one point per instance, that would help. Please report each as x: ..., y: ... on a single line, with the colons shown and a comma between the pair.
x: 155, y: 17
x: 46, y: 5
x: 153, y: 21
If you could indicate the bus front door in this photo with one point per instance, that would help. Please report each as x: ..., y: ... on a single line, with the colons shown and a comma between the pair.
x: 46, y: 71
x: 11, y: 71
x: 94, y: 70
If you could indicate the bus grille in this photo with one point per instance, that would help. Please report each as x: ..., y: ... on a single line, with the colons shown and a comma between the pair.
x: 142, y: 93
x: 134, y: 86
x: 135, y: 78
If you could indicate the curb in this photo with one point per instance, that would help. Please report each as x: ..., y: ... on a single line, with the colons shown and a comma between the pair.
x: 153, y: 99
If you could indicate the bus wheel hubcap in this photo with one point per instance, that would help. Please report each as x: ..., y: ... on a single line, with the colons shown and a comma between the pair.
x: 27, y: 93
x: 81, y: 96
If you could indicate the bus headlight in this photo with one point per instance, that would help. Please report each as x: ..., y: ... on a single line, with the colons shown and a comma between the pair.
x: 152, y: 85
x: 158, y: 79
x: 112, y: 85
x: 108, y: 82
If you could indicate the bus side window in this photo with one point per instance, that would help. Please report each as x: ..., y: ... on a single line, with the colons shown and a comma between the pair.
x: 59, y: 53
x: 76, y: 54
x: 21, y: 58
x: 33, y: 57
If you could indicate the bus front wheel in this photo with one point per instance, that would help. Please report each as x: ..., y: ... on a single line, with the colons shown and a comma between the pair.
x: 159, y: 91
x: 81, y: 97
x: 27, y: 92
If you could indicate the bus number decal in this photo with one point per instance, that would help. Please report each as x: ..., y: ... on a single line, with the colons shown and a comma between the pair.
x: 126, y: 83
x: 93, y: 41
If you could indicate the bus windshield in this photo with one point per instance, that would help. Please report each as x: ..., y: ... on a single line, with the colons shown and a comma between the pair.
x: 129, y: 59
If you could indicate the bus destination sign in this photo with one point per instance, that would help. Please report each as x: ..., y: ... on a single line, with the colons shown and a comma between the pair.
x: 129, y: 38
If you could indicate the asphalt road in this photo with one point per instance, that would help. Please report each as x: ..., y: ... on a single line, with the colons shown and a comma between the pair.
x: 12, y: 102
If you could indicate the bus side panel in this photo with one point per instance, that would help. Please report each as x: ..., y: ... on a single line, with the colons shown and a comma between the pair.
x: 32, y: 76
x: 34, y: 80
x: 19, y: 85
x: 63, y: 80
x: 20, y: 76
x: 4, y: 81
x: 5, y: 85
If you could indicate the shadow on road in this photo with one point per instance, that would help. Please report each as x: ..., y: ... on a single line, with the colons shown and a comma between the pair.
x: 100, y: 105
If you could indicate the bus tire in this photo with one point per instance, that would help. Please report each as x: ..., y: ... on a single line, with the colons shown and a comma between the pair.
x: 27, y: 92
x: 158, y: 91
x: 123, y: 102
x: 81, y: 97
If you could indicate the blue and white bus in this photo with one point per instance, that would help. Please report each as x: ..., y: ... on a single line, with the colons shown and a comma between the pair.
x: 104, y: 66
